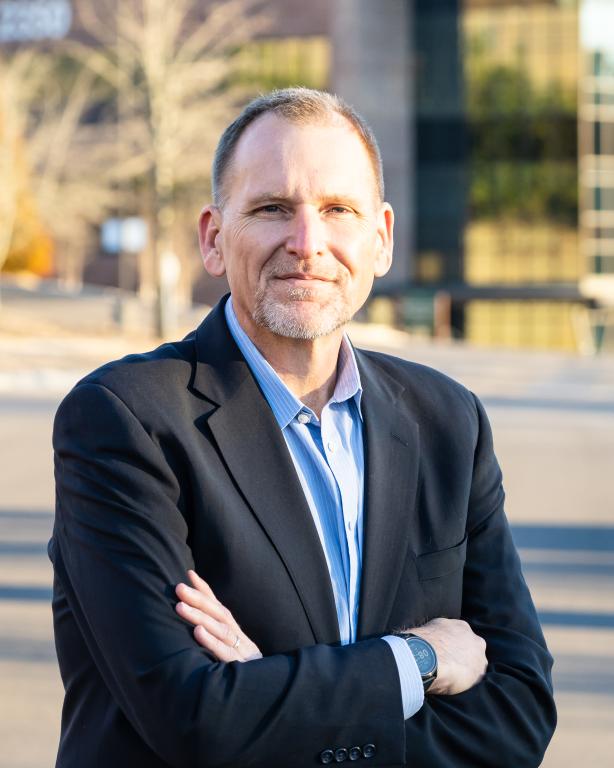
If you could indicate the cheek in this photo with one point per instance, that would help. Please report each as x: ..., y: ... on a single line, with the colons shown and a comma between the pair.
x: 361, y: 263
x: 239, y: 256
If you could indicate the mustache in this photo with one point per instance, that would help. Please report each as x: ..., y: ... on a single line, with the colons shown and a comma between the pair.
x: 287, y: 267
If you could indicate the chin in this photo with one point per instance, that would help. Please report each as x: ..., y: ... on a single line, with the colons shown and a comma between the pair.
x: 305, y: 320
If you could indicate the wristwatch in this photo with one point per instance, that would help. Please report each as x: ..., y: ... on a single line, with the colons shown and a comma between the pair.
x: 425, y: 657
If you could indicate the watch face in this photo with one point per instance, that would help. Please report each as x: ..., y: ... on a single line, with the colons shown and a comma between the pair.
x: 423, y: 654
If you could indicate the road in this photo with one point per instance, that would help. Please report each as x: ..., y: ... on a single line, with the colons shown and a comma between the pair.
x: 553, y: 420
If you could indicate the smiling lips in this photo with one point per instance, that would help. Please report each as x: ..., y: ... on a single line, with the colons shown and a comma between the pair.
x: 301, y: 276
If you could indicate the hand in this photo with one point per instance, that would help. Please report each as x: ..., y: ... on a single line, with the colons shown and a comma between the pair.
x: 215, y: 628
x: 461, y: 654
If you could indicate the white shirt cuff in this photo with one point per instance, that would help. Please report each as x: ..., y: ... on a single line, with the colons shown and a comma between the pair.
x: 412, y: 689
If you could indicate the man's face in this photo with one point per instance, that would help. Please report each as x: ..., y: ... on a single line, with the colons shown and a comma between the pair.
x: 302, y: 233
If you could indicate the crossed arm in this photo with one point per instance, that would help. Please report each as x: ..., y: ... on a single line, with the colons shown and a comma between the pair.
x: 461, y: 653
x: 120, y: 541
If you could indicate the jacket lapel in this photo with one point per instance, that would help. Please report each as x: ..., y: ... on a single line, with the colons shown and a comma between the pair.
x: 391, y: 478
x: 258, y: 459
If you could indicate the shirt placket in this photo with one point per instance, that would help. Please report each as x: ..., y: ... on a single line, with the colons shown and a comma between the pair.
x: 343, y: 470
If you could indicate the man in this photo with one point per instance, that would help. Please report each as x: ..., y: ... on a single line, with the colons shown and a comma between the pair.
x: 334, y: 501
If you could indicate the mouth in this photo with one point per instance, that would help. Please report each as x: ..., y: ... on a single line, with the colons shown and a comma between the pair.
x: 300, y: 278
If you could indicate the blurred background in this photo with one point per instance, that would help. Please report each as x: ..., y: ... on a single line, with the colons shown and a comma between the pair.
x: 496, y: 124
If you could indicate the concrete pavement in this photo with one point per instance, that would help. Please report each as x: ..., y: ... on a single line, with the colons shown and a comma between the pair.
x: 553, y: 419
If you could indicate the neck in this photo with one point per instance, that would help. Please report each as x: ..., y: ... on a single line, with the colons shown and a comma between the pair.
x: 307, y: 367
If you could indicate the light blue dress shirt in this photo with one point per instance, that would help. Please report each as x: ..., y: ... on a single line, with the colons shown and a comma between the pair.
x: 329, y: 460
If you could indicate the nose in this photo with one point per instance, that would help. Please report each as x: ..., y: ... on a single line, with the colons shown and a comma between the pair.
x: 306, y: 236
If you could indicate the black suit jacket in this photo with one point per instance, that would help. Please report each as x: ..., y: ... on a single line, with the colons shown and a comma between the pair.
x: 173, y: 459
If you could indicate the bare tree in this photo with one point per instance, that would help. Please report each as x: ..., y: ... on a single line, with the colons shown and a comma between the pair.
x: 48, y: 155
x: 171, y: 66
x: 11, y: 173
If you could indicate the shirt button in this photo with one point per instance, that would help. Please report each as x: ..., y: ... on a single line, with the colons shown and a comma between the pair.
x: 331, y: 446
x: 355, y: 753
x: 350, y: 525
x: 304, y: 418
x: 327, y: 756
x: 341, y: 755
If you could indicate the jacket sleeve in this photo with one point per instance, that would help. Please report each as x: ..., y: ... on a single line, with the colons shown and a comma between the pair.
x: 508, y: 718
x: 120, y: 546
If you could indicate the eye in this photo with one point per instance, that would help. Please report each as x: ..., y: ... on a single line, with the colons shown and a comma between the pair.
x: 339, y: 209
x: 270, y: 208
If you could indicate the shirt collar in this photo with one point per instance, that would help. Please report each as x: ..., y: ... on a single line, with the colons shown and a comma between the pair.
x: 284, y: 404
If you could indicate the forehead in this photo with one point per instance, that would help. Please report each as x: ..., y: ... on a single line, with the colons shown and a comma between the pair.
x: 276, y: 155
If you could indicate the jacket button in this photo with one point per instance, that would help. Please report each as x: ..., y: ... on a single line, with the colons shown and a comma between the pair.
x: 341, y: 755
x: 355, y: 753
x: 368, y: 750
x: 327, y: 756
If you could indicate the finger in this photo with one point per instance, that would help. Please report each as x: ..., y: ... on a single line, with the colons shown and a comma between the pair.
x: 245, y: 649
x: 214, y: 627
x: 201, y: 585
x: 221, y: 631
x: 204, y: 601
x: 232, y: 636
x: 220, y: 650
x: 200, y: 603
x: 207, y: 605
x: 195, y: 617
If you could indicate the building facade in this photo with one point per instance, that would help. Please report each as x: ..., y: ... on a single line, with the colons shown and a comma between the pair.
x: 488, y: 191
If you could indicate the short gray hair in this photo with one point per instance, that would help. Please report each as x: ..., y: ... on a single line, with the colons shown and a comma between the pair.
x: 298, y: 105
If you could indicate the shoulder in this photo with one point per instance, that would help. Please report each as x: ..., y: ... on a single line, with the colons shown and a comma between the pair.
x: 138, y: 380
x: 443, y: 408
x: 418, y: 380
x: 158, y: 366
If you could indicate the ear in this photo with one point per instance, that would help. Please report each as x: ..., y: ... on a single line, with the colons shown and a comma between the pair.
x: 209, y: 225
x: 385, y: 229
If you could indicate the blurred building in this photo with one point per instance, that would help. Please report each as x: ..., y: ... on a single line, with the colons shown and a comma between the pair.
x: 504, y: 208
x: 478, y: 104
x: 489, y: 150
x: 596, y: 120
